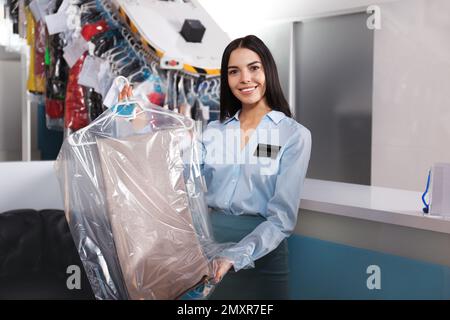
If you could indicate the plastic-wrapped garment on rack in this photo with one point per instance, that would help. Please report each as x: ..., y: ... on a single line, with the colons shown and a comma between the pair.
x: 152, y: 90
x: 57, y: 71
x: 13, y: 9
x: 106, y: 41
x: 92, y: 29
x: 94, y: 103
x: 39, y: 56
x: 134, y: 200
x: 209, y: 102
x: 56, y: 82
x: 89, y: 11
x: 76, y: 112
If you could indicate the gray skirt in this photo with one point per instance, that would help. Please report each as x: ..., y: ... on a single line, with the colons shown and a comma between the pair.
x: 269, y: 278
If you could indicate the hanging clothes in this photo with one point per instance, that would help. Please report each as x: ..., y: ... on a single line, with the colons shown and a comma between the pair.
x: 40, y: 44
x: 135, y: 204
x: 31, y: 40
x: 57, y: 72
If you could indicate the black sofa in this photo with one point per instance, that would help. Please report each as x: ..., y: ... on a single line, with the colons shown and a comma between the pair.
x: 36, y: 248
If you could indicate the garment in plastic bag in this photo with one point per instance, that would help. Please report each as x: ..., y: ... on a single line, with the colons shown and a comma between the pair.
x: 57, y: 73
x: 40, y: 46
x: 94, y: 103
x: 152, y: 90
x: 134, y: 200
x: 31, y: 28
x: 76, y: 112
x: 13, y: 9
x: 90, y: 30
x: 106, y: 41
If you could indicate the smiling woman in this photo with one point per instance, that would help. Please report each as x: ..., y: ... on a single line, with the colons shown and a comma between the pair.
x: 251, y: 206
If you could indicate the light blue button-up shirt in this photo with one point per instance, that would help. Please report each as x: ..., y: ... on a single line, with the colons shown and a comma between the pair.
x: 246, y: 182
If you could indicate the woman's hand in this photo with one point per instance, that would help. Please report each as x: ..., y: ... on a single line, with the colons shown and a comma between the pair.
x: 220, y: 268
x: 126, y: 92
x: 140, y: 120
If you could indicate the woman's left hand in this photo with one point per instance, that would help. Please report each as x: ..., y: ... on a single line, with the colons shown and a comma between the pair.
x: 220, y: 267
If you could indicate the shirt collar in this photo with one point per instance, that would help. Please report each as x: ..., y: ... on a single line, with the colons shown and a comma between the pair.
x: 275, y: 116
x: 235, y: 117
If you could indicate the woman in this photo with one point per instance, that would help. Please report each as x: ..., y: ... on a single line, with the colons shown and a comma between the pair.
x: 255, y: 161
x: 254, y: 182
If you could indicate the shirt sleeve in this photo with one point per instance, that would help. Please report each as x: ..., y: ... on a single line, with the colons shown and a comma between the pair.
x: 282, y: 208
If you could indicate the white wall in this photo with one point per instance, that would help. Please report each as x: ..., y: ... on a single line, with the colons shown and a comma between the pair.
x: 411, y: 99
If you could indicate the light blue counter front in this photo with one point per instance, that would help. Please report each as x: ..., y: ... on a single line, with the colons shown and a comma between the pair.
x: 326, y: 270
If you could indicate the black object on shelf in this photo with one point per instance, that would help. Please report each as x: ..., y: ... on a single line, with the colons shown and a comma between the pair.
x: 192, y: 30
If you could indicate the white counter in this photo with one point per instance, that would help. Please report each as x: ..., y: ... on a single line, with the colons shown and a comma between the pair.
x: 385, y: 205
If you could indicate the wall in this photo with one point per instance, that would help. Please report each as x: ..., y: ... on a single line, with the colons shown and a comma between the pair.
x: 277, y: 37
x: 411, y: 98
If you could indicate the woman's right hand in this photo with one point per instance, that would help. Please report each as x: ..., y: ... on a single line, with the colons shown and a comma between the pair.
x: 126, y: 92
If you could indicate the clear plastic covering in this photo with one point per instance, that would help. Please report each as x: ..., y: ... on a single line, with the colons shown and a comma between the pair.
x: 134, y: 200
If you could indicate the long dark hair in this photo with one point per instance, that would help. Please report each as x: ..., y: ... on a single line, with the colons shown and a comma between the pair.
x: 229, y: 104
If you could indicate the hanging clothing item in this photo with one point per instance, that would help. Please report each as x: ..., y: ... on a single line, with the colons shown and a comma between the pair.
x: 40, y: 43
x: 151, y: 90
x: 158, y: 249
x: 57, y: 72
x: 90, y: 30
x: 134, y: 200
x: 31, y: 25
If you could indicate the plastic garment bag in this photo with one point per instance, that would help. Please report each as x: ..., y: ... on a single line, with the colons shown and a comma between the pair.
x: 133, y: 197
x: 76, y: 112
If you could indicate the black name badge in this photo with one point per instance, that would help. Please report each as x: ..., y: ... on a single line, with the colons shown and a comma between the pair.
x: 267, y: 151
